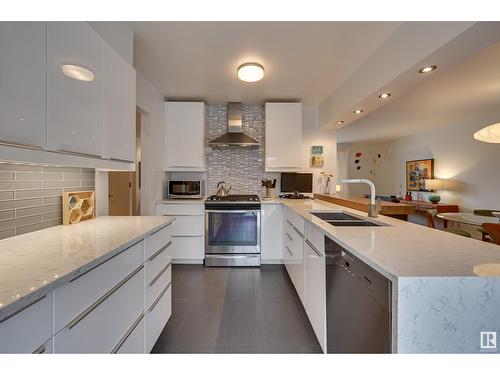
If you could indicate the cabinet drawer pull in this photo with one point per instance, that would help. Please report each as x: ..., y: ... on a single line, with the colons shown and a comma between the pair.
x: 92, y: 307
x: 24, y: 308
x: 289, y: 251
x: 21, y: 145
x: 159, y: 251
x: 314, y: 248
x: 289, y: 222
x: 300, y: 234
x: 159, y: 274
x: 156, y: 231
x: 127, y: 334
x: 68, y: 152
x: 41, y: 349
x: 290, y: 237
x: 159, y: 297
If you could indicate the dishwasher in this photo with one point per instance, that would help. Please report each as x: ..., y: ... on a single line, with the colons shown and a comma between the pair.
x: 358, y: 304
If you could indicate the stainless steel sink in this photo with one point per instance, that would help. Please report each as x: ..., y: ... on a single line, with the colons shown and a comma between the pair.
x: 327, y: 216
x: 343, y: 219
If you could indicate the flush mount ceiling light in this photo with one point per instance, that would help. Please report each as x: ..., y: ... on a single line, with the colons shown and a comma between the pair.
x: 357, y: 111
x: 340, y: 122
x: 78, y: 72
x: 489, y: 134
x: 385, y: 95
x: 251, y: 72
x: 428, y: 69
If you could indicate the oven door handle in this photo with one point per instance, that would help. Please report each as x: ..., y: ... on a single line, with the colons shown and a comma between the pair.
x: 233, y: 211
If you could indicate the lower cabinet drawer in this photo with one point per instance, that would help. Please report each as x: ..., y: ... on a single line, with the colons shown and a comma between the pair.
x: 189, y: 248
x: 74, y: 297
x: 28, y: 329
x: 158, y: 239
x: 101, y: 327
x: 157, y: 317
x: 157, y: 285
x: 134, y: 341
x: 157, y: 263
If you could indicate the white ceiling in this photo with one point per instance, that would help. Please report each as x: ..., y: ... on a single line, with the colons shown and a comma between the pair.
x: 303, y: 60
x: 465, y: 92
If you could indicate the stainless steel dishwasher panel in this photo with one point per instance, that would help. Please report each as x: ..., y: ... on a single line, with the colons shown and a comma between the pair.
x: 358, y: 304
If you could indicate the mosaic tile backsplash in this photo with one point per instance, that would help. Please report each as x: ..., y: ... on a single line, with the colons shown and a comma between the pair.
x: 30, y: 195
x: 240, y: 167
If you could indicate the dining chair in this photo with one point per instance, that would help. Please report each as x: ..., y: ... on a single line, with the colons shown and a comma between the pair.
x: 431, y: 214
x: 493, y: 231
x: 484, y: 232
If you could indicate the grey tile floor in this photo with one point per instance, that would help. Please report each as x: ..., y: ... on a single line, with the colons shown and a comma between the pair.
x: 235, y: 310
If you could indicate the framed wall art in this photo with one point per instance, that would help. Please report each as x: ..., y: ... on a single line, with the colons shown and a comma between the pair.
x: 416, y: 172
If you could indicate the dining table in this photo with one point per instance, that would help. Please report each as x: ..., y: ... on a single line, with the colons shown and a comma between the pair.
x: 468, y: 218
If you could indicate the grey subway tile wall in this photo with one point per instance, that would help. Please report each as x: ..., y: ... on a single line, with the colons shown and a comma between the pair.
x: 30, y: 195
x: 243, y: 168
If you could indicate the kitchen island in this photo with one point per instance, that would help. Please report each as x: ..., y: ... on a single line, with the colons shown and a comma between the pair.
x: 441, y: 301
x: 83, y: 287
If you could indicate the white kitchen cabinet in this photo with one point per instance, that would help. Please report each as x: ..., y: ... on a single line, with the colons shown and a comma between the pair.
x: 74, y: 297
x: 187, y: 231
x: 185, y: 136
x: 293, y: 251
x: 74, y: 107
x: 113, y: 314
x: 283, y: 137
x: 271, y: 233
x: 28, y: 329
x: 134, y: 342
x: 23, y: 83
x: 316, y: 291
x: 118, y: 106
x: 157, y: 317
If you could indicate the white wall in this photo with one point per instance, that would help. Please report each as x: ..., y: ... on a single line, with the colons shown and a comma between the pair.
x: 313, y: 135
x: 101, y: 193
x: 151, y: 103
x: 118, y: 35
x: 471, y: 169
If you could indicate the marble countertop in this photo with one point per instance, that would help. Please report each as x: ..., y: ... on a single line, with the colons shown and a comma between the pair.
x: 35, y: 263
x: 401, y: 249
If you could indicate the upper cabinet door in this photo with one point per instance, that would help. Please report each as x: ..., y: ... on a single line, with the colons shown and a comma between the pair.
x: 74, y: 106
x: 22, y: 83
x: 283, y: 137
x: 185, y: 136
x: 119, y: 106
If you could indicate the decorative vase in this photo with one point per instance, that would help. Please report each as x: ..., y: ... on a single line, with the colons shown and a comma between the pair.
x: 434, y: 198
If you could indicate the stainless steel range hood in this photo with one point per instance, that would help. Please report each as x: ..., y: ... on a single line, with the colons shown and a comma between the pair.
x: 234, y: 136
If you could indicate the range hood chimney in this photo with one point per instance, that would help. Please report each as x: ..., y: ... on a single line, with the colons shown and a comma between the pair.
x: 234, y: 136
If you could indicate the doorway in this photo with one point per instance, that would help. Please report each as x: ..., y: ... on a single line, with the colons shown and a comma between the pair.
x: 124, y: 188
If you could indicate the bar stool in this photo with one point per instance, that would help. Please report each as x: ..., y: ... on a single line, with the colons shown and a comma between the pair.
x: 431, y: 214
x: 493, y: 231
x: 484, y: 232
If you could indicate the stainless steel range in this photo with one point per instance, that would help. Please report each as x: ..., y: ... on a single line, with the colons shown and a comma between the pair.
x: 232, y: 230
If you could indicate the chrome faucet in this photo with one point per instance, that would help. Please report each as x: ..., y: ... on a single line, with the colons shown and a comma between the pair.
x: 372, y: 208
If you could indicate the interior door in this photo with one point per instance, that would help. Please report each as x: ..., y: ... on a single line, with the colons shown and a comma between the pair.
x: 120, y: 193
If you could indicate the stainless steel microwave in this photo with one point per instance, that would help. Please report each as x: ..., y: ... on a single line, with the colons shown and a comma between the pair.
x: 194, y: 189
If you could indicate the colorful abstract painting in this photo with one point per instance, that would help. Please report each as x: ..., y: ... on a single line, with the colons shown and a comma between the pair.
x: 417, y: 171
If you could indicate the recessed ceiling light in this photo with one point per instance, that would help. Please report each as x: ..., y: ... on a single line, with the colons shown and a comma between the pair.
x: 385, y: 95
x: 428, y: 69
x: 78, y: 72
x: 340, y: 122
x: 251, y: 72
x: 357, y: 111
